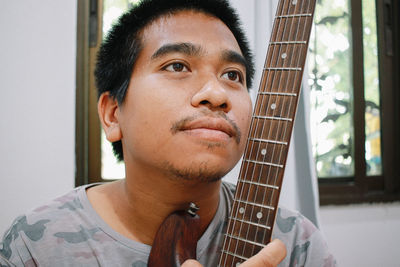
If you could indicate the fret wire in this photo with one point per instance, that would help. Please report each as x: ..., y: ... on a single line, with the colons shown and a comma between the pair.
x: 296, y: 69
x: 264, y: 163
x: 287, y: 42
x: 264, y: 124
x: 246, y: 241
x: 276, y: 27
x: 282, y: 68
x: 277, y: 93
x: 269, y: 141
x: 252, y: 223
x: 255, y: 204
x: 294, y: 15
x: 259, y: 184
x: 279, y: 23
x: 281, y: 10
x: 272, y: 118
x: 234, y: 255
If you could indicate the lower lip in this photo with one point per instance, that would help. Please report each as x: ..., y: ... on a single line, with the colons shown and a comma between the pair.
x: 208, y: 134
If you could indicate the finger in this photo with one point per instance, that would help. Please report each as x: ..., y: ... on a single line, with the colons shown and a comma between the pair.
x: 270, y: 256
x: 191, y: 263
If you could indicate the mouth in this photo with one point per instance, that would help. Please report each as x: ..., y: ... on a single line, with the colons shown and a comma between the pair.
x: 215, y: 129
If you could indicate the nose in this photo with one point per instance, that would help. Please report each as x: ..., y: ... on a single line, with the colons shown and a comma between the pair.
x: 212, y: 95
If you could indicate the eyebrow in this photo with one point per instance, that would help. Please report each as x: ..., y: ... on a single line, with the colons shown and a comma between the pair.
x: 184, y: 48
x: 234, y: 57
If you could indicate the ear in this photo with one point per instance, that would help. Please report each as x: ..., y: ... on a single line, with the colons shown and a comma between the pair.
x: 108, y: 110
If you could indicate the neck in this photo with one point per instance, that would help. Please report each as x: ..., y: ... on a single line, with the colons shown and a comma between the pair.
x: 137, y: 206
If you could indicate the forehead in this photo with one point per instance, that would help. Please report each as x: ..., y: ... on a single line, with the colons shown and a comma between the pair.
x: 192, y: 27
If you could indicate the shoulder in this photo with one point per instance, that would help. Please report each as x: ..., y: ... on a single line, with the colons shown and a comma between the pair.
x: 33, y: 223
x: 58, y: 209
x: 305, y: 244
x: 39, y: 226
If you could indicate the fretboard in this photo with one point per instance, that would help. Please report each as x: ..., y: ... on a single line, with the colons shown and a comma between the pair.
x: 254, y: 209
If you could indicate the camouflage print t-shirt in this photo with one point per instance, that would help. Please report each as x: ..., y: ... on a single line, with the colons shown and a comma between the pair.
x: 68, y: 232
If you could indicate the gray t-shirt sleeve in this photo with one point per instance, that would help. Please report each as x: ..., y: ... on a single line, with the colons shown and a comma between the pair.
x: 68, y: 232
x: 14, y: 249
x: 304, y: 242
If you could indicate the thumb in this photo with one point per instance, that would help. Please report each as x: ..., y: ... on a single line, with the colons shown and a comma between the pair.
x: 191, y: 263
x: 270, y: 256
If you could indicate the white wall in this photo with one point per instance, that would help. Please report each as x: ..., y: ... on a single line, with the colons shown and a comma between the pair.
x: 363, y: 235
x: 37, y: 85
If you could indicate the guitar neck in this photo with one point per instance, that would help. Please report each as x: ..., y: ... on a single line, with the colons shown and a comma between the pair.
x: 257, y: 193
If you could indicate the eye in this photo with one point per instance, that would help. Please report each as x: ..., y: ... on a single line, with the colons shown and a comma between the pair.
x: 176, y: 67
x: 234, y: 76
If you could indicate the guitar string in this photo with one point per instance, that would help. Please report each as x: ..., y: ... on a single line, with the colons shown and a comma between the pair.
x: 300, y: 61
x: 265, y: 214
x: 271, y: 98
x: 288, y: 78
x: 232, y: 223
x: 270, y: 156
x: 281, y: 11
x: 253, y: 124
x: 282, y: 126
x: 269, y: 137
x: 281, y: 23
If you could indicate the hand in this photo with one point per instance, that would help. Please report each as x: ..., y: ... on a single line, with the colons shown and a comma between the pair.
x: 270, y: 256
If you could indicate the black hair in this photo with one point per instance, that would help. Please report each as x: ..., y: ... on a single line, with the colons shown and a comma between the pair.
x: 121, y: 47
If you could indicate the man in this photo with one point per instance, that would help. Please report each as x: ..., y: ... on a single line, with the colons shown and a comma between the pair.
x: 172, y: 78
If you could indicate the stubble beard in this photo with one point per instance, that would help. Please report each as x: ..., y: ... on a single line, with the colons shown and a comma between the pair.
x: 201, y: 173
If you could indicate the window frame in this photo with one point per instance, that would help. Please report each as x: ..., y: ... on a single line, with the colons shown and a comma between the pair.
x: 362, y: 188
x: 88, y: 129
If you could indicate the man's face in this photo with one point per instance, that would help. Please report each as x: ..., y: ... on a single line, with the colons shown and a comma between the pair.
x: 187, y: 110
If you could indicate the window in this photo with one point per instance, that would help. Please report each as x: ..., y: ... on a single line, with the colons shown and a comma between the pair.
x: 95, y: 161
x: 353, y: 100
x: 353, y: 60
x: 110, y: 167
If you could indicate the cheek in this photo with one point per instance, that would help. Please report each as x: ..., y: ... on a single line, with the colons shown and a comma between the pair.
x: 244, y: 113
x: 150, y: 114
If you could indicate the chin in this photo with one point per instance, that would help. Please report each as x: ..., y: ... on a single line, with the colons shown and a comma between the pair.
x: 202, y: 172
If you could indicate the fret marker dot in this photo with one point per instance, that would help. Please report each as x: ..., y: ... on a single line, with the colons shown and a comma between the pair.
x: 259, y: 215
x: 237, y: 264
x: 241, y: 210
x: 294, y: 2
x: 273, y: 106
x: 263, y: 152
x: 284, y: 55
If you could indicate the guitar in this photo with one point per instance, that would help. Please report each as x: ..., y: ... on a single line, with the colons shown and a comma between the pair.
x: 255, y: 205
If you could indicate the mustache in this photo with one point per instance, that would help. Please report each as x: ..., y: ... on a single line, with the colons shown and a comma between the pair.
x: 181, y: 124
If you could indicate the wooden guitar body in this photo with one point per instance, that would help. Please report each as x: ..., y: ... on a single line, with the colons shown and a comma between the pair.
x: 176, y: 239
